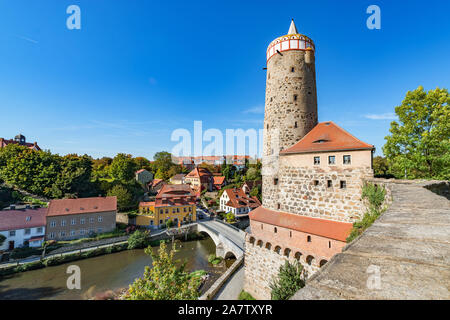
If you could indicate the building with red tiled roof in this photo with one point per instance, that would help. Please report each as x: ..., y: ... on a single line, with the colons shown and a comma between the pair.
x: 77, y: 218
x: 144, y: 176
x: 200, y: 177
x: 238, y: 202
x: 219, y: 182
x: 155, y: 185
x: 175, y: 202
x: 20, y: 140
x: 248, y: 186
x: 22, y: 226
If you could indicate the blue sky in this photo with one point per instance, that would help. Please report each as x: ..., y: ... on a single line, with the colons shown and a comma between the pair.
x: 137, y: 70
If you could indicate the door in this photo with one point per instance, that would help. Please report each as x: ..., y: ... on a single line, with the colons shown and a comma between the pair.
x: 11, y: 245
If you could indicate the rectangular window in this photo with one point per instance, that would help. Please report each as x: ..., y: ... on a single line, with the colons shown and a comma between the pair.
x: 39, y: 230
x: 72, y: 232
x: 81, y: 232
x: 275, y: 181
x: 343, y: 184
x: 347, y: 159
x: 295, y: 97
x: 82, y: 221
x: 100, y: 218
x: 73, y: 222
x: 12, y: 233
x: 99, y: 230
x: 53, y: 224
x: 91, y: 220
x: 331, y: 160
x: 62, y: 233
x: 27, y: 231
x: 316, y: 161
x: 63, y: 223
x: 316, y: 182
x: 329, y: 183
x: 52, y: 235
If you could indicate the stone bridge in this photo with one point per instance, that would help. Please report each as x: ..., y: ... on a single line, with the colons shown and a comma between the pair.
x: 229, y: 240
x: 405, y: 254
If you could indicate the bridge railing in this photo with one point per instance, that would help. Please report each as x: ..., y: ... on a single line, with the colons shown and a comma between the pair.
x: 217, y: 232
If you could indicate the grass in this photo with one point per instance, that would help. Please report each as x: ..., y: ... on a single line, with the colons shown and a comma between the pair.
x: 244, y: 295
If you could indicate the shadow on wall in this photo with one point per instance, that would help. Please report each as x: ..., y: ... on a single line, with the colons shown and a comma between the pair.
x: 441, y: 189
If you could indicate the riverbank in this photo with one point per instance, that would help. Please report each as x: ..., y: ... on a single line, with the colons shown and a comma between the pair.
x: 100, y: 274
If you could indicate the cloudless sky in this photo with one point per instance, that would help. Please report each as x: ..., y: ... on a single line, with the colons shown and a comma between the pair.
x: 137, y: 70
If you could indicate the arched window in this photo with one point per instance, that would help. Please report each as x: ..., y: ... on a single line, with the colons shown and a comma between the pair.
x: 322, y: 263
x: 252, y: 240
x: 275, y: 230
x: 287, y: 252
x: 277, y: 249
x: 268, y: 245
x: 259, y: 243
x: 308, y: 238
x: 297, y: 256
x: 309, y: 260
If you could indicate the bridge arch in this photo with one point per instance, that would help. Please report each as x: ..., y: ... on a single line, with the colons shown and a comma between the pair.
x: 223, y: 244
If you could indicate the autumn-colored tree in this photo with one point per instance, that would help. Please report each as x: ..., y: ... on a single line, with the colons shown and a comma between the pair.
x: 166, y: 280
x: 419, y: 143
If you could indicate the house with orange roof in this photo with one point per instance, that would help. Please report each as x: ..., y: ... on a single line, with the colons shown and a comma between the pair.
x: 238, y: 202
x: 155, y: 185
x: 199, y: 179
x: 219, y: 182
x: 69, y: 219
x: 175, y: 202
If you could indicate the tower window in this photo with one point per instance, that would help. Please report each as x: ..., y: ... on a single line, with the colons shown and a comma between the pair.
x: 347, y: 159
x: 295, y: 124
x: 316, y: 161
x: 329, y: 183
x: 295, y: 97
x: 308, y: 239
x: 331, y: 160
x: 343, y: 184
x: 316, y: 182
x: 279, y: 206
x: 275, y: 230
x: 275, y: 181
x: 329, y: 244
x: 267, y: 127
x: 292, y: 69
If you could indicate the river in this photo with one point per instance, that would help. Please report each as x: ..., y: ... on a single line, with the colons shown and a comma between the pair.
x: 107, y: 272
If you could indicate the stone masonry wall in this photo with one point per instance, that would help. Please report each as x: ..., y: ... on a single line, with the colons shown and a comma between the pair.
x: 262, y: 266
x: 305, y: 191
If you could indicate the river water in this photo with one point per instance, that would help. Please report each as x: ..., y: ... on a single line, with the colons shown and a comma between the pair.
x: 107, y: 272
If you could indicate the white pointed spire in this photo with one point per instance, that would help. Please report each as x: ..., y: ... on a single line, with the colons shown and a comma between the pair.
x: 292, y: 28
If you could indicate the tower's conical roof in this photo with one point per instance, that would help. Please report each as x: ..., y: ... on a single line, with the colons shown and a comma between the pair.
x: 292, y: 28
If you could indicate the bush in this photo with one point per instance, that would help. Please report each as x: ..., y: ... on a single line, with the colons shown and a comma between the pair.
x: 245, y: 296
x: 169, y: 223
x: 138, y: 240
x: 20, y: 253
x: 375, y: 195
x: 290, y: 280
x: 213, y: 259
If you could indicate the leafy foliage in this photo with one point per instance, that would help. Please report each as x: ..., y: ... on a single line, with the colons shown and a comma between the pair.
x: 419, y: 143
x: 138, y: 240
x: 123, y: 168
x: 2, y: 239
x: 124, y: 197
x: 375, y: 195
x: 166, y: 280
x: 245, y: 296
x: 290, y: 279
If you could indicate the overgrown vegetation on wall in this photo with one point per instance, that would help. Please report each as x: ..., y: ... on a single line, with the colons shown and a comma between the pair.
x: 290, y: 279
x: 374, y: 195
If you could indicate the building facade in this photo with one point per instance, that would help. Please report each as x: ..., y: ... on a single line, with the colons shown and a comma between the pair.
x: 238, y: 202
x: 200, y: 179
x: 69, y: 219
x: 173, y: 202
x: 20, y: 140
x: 22, y: 228
x: 312, y: 173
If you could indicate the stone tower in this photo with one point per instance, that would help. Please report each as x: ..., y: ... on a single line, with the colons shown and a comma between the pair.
x: 291, y: 102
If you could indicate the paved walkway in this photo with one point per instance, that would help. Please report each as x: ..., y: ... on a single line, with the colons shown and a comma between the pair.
x: 408, y: 247
x: 233, y: 287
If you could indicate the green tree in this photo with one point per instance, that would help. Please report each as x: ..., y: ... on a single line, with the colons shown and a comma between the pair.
x: 138, y: 240
x: 74, y: 178
x: 290, y: 280
x: 142, y: 163
x: 167, y: 280
x: 419, y: 143
x: 2, y: 239
x: 125, y: 199
x: 253, y: 174
x: 380, y: 166
x: 123, y: 168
